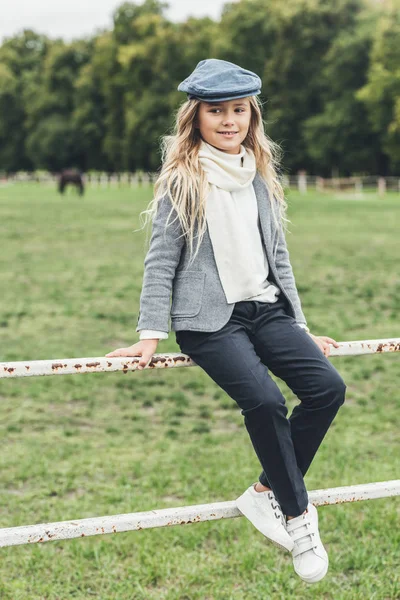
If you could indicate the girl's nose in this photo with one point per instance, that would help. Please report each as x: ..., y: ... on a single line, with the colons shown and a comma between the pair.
x: 228, y: 121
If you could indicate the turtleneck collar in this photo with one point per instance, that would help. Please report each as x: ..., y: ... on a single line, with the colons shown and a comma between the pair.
x: 233, y: 158
x: 230, y: 172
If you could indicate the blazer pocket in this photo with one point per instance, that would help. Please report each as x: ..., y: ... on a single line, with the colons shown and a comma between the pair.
x: 187, y: 294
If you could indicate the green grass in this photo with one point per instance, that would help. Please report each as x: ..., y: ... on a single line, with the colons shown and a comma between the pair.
x: 92, y: 445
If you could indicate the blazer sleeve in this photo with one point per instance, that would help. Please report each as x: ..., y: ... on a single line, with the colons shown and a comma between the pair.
x: 285, y: 272
x: 160, y: 264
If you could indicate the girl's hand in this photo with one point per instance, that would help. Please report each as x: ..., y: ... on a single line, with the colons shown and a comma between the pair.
x: 144, y: 348
x: 323, y: 342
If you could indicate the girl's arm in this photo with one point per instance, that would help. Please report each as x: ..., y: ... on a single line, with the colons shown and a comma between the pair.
x: 160, y: 265
x: 285, y: 272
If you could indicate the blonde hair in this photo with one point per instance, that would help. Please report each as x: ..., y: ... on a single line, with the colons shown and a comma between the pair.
x: 183, y: 178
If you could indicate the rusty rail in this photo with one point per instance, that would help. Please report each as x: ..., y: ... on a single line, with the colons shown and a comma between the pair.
x: 46, y: 532
x: 167, y: 517
x: 73, y: 366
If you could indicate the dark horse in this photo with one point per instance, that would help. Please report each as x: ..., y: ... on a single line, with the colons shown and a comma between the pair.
x: 68, y: 176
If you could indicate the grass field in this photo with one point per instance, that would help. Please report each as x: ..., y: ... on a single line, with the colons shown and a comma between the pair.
x: 92, y: 445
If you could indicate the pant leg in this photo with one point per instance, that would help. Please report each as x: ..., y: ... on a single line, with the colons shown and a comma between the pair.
x: 292, y: 355
x: 229, y: 358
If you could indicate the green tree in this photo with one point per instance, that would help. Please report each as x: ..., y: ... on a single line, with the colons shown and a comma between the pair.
x: 53, y: 143
x: 381, y: 93
x: 21, y: 60
x: 90, y: 112
x: 331, y: 84
x: 286, y: 43
x: 49, y: 112
x: 339, y: 137
x: 106, y: 70
x: 153, y: 68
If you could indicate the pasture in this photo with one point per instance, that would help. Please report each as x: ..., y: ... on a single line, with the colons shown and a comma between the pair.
x: 92, y: 445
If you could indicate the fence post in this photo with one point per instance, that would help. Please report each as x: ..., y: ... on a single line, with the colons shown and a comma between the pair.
x: 358, y: 186
x: 381, y: 186
x: 302, y: 181
x: 319, y: 184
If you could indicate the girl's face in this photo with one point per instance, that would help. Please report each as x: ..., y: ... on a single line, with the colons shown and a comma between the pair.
x: 225, y: 124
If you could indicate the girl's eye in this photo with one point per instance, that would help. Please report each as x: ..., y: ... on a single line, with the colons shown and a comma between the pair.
x: 214, y: 110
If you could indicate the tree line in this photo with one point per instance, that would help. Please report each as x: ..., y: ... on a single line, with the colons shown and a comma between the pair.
x: 330, y: 72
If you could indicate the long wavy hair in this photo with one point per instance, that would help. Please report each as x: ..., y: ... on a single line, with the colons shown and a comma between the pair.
x: 182, y: 177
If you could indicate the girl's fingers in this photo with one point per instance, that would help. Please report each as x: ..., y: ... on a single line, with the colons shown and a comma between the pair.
x: 331, y: 341
x: 323, y: 342
x: 144, y: 361
x: 327, y: 349
x: 323, y: 346
x: 323, y: 349
x: 123, y: 352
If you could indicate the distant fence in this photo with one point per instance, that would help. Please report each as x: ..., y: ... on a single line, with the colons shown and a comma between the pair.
x: 302, y: 181
x: 99, y: 179
x: 356, y: 185
x: 79, y: 528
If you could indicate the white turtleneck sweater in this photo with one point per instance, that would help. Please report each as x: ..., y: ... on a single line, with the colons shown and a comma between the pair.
x: 233, y: 226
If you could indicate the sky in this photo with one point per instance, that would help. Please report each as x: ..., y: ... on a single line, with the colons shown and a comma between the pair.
x: 71, y: 19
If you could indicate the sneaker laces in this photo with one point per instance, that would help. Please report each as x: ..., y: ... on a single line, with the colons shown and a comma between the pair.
x: 276, y: 508
x: 302, y: 531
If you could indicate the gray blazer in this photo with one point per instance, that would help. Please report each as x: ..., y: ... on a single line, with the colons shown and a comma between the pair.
x: 198, y: 299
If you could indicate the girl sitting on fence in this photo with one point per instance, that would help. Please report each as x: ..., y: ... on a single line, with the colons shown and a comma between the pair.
x: 218, y: 245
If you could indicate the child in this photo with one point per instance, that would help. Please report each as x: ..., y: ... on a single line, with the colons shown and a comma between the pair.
x: 235, y: 306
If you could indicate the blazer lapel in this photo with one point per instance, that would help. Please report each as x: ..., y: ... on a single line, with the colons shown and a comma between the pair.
x: 263, y: 212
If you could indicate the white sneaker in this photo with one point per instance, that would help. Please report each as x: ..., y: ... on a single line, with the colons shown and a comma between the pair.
x: 310, y: 559
x: 263, y: 510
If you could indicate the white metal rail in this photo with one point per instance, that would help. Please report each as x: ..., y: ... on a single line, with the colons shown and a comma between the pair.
x: 100, y: 364
x: 46, y: 532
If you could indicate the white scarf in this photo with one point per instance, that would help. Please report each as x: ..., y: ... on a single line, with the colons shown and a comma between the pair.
x: 230, y: 183
x: 224, y: 171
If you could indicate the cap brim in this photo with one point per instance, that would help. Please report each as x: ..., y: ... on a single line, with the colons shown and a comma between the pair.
x: 223, y: 98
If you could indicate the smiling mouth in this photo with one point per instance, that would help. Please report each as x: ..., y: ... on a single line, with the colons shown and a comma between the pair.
x: 228, y: 133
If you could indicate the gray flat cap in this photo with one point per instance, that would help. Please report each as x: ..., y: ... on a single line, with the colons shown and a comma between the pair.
x: 215, y: 80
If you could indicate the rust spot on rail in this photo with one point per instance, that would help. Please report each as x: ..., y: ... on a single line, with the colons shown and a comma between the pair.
x: 93, y: 364
x: 340, y: 501
x: 390, y: 347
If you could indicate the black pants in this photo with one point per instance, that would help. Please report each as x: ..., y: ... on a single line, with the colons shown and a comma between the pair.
x: 262, y: 337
